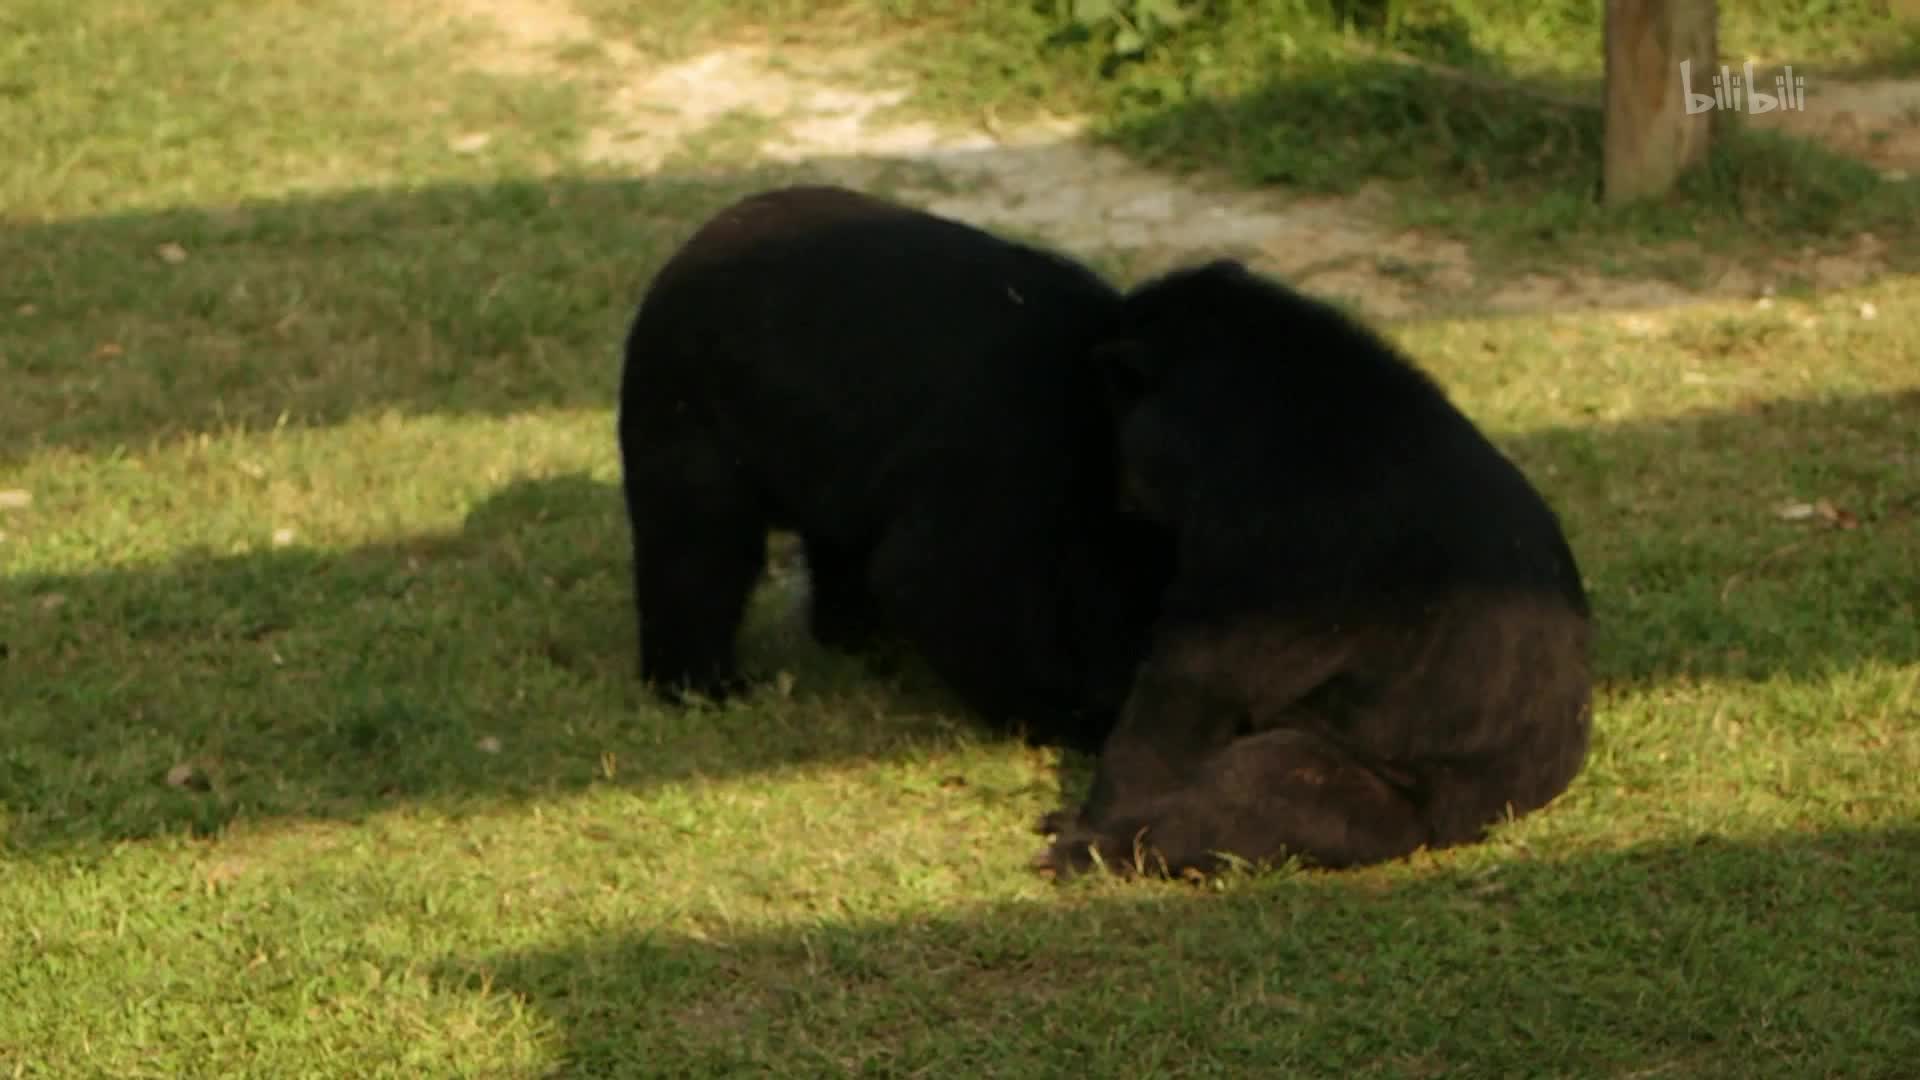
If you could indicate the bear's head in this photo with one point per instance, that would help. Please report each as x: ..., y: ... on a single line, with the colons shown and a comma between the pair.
x: 1167, y: 365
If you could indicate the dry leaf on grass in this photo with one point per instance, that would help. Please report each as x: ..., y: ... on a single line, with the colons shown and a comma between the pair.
x: 1823, y: 509
x: 1836, y: 516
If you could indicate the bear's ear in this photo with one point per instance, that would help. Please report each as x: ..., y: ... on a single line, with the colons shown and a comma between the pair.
x: 1129, y: 368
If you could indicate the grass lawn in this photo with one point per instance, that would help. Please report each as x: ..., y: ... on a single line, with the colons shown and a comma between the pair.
x: 323, y: 752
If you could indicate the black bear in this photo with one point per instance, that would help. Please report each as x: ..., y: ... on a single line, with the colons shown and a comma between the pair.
x: 913, y: 397
x: 1375, y: 637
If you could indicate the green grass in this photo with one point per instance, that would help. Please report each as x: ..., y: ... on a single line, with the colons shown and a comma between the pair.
x: 323, y: 525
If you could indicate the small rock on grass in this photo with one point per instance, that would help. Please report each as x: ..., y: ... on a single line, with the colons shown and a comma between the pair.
x: 188, y: 777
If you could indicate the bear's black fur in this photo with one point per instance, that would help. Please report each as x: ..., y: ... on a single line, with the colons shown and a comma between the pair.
x: 913, y: 397
x: 1376, y: 637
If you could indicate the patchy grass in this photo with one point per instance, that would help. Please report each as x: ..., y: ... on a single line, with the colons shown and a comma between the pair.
x: 1326, y: 96
x: 149, y: 104
x: 324, y: 755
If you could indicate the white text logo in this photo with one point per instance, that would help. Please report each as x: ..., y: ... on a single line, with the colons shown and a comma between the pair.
x: 1729, y: 90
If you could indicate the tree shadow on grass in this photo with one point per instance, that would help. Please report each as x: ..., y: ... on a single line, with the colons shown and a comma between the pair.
x: 1776, y: 955
x: 498, y: 662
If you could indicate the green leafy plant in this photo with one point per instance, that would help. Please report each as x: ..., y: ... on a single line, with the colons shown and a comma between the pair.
x: 1130, y: 28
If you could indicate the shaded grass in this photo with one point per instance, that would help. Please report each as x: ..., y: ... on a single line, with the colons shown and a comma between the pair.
x: 1517, y: 178
x: 491, y: 298
x: 1600, y: 962
x: 329, y: 536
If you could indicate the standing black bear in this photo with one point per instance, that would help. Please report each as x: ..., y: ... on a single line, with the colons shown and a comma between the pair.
x: 913, y: 397
x: 1375, y: 638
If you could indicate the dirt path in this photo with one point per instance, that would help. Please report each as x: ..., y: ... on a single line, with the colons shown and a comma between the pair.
x: 1088, y: 199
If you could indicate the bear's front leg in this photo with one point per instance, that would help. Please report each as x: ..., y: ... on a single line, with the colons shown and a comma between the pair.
x: 1055, y: 822
x: 1072, y: 852
x: 1171, y: 724
x: 1126, y: 848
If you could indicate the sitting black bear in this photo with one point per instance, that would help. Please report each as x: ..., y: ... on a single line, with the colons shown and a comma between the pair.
x: 1376, y: 637
x: 913, y: 397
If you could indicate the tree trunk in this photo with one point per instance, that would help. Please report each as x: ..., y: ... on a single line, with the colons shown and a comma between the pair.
x: 1661, y: 62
